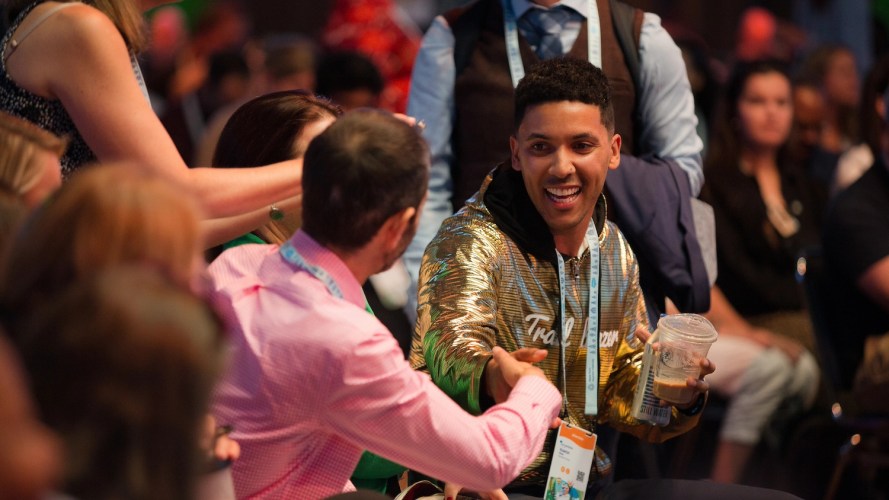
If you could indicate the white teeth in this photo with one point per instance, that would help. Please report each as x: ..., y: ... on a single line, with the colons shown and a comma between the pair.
x: 561, y: 192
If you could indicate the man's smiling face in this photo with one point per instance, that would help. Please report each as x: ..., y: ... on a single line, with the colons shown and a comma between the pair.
x: 564, y: 151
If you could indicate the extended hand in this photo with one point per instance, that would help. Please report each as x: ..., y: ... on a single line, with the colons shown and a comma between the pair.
x: 505, y: 369
x: 642, y: 334
x: 699, y: 385
x: 216, y: 443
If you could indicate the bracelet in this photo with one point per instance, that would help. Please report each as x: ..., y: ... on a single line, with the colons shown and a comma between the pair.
x: 275, y: 213
x: 697, y: 408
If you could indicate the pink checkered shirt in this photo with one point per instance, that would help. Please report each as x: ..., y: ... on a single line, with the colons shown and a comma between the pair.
x: 313, y: 380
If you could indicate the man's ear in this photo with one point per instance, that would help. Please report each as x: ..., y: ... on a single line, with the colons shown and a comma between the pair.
x: 514, y: 153
x: 614, y: 159
x: 396, y: 225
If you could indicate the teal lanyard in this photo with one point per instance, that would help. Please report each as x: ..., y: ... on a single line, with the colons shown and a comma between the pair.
x: 292, y: 255
x: 511, y: 32
x: 591, y: 407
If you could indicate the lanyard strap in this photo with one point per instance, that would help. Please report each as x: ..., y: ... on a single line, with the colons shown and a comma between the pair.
x: 137, y: 71
x: 591, y: 406
x: 511, y: 32
x: 292, y: 255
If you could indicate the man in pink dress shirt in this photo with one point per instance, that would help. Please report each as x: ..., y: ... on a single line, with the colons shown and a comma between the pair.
x: 314, y: 378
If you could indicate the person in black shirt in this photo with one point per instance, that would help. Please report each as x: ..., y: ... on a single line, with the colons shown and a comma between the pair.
x: 856, y: 255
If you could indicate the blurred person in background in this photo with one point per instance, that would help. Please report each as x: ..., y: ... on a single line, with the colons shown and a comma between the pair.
x: 29, y: 159
x: 223, y: 26
x: 227, y: 83
x: 87, y: 227
x: 833, y: 69
x: 859, y: 158
x: 761, y: 35
x: 29, y: 172
x: 350, y: 79
x: 30, y: 454
x: 809, y: 117
x: 168, y: 32
x: 381, y: 31
x: 107, y: 215
x: 849, y: 23
x: 124, y: 380
x: 856, y: 247
x: 767, y: 209
x: 287, y: 63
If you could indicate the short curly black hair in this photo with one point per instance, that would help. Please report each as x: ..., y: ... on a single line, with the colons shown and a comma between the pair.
x: 564, y: 79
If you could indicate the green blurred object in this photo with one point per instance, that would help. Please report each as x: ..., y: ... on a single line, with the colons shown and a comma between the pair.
x: 373, y: 472
x: 880, y: 9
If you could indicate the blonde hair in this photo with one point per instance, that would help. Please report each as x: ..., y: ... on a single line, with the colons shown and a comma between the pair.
x: 125, y: 14
x: 104, y: 216
x: 20, y: 141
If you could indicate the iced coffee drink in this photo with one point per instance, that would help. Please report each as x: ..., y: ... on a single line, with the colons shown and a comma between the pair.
x: 684, y: 340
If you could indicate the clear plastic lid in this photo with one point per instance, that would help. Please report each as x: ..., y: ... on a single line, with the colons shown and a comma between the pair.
x: 688, y: 327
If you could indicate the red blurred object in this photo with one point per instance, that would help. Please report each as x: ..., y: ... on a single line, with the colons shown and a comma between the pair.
x: 378, y: 29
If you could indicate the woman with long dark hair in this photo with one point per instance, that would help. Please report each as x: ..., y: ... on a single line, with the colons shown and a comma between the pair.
x: 766, y: 210
x: 273, y: 128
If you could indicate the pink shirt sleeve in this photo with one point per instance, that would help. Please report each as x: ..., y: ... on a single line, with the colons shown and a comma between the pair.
x: 384, y: 406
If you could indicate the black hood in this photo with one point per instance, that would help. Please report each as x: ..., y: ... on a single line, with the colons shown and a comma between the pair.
x: 515, y: 214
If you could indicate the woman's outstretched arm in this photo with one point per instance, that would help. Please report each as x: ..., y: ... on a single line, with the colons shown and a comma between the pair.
x: 78, y: 57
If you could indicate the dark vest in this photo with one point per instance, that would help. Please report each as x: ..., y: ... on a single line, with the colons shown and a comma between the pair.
x: 484, y: 94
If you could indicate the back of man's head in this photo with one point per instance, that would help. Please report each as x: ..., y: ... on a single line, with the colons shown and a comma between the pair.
x: 564, y: 79
x: 363, y: 169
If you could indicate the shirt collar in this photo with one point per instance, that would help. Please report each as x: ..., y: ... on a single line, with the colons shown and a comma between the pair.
x: 318, y: 255
x: 522, y: 6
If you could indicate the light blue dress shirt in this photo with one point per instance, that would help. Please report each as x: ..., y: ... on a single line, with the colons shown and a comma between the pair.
x: 666, y: 128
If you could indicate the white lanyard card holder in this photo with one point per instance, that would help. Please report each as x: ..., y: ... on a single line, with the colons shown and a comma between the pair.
x: 572, y: 460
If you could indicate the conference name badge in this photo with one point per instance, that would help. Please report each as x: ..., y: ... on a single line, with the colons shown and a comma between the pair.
x: 571, y: 463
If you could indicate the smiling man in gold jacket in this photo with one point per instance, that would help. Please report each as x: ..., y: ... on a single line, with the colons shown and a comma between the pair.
x: 491, y: 275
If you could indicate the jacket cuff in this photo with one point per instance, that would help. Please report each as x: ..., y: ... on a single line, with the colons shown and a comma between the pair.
x: 695, y: 409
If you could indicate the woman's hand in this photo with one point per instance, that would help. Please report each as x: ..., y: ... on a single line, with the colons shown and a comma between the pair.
x: 216, y: 443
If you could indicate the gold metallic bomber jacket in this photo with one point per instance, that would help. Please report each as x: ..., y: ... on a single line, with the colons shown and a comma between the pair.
x: 489, y: 278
